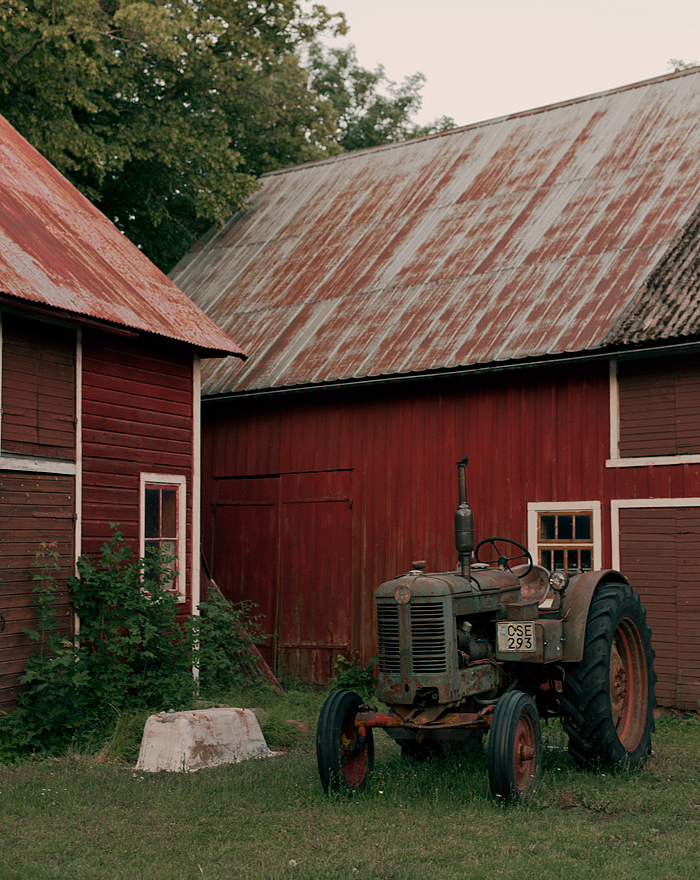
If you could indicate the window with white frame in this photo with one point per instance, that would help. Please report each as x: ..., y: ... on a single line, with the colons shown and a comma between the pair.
x: 565, y: 535
x: 655, y: 411
x: 162, y: 532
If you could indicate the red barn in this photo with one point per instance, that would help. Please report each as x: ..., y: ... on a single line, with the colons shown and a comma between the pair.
x: 100, y: 356
x: 523, y: 290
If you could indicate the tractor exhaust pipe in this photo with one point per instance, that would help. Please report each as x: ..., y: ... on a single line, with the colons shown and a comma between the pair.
x: 464, y: 522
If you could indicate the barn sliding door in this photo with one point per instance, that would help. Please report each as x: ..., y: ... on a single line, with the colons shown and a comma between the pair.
x: 660, y: 554
x: 284, y: 542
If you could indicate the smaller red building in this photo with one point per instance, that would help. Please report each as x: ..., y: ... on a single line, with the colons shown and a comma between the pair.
x: 100, y: 361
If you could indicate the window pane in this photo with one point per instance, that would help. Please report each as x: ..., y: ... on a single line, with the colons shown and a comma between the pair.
x: 169, y: 523
x: 546, y: 559
x: 571, y: 560
x: 152, y: 513
x: 586, y: 564
x: 583, y: 527
x: 558, y: 558
x: 547, y: 528
x: 566, y: 528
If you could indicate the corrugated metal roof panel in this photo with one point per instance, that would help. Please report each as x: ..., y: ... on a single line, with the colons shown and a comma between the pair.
x: 58, y: 250
x: 525, y: 236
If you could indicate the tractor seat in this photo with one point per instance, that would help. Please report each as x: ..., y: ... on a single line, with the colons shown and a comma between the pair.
x: 535, y: 585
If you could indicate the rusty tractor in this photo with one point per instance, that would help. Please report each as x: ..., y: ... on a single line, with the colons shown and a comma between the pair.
x: 495, y: 646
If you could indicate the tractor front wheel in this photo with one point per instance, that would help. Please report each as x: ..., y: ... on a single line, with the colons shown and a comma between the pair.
x: 608, y: 698
x: 345, y: 759
x: 515, y: 748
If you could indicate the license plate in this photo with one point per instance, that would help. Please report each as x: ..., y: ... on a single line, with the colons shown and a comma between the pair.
x: 516, y: 637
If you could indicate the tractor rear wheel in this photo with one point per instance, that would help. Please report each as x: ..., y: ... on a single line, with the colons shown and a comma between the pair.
x: 345, y: 760
x: 515, y: 748
x: 608, y: 698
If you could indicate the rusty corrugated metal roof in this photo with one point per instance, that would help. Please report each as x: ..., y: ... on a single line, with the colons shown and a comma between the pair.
x: 58, y: 250
x: 521, y: 237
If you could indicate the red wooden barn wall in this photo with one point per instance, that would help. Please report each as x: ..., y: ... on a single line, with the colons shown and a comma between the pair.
x: 531, y: 436
x: 36, y: 509
x: 137, y: 418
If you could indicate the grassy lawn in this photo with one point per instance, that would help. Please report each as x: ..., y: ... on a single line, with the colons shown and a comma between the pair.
x: 77, y: 817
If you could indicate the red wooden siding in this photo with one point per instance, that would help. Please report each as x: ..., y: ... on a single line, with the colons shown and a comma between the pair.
x: 534, y: 436
x: 38, y: 388
x: 137, y: 418
x: 34, y: 508
x: 660, y: 553
x: 271, y: 541
x: 659, y: 406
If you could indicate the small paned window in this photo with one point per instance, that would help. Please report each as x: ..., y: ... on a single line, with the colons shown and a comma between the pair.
x: 160, y: 530
x: 565, y: 540
x: 163, y: 530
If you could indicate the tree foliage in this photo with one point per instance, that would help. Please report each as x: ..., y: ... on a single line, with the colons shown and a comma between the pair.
x: 371, y: 108
x: 164, y: 112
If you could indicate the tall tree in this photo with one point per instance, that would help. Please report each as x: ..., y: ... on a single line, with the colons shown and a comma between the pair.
x: 163, y: 111
x: 371, y: 108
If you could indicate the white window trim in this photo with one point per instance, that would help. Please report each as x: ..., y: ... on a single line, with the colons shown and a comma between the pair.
x: 615, y: 461
x: 171, y: 480
x: 196, y: 480
x: 626, y: 503
x: 536, y: 507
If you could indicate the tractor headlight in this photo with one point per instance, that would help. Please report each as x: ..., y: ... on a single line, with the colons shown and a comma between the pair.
x: 559, y: 581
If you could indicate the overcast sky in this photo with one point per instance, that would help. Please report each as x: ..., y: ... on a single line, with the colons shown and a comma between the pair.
x: 485, y: 59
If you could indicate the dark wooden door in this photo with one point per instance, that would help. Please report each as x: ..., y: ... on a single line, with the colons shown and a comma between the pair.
x: 284, y: 542
x: 660, y: 554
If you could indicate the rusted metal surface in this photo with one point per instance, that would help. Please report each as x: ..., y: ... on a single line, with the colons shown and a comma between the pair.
x: 577, y: 600
x: 58, y: 250
x: 522, y: 237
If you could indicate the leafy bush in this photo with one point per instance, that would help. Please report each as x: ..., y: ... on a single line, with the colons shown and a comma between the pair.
x: 222, y: 637
x: 131, y: 650
x: 351, y: 674
x: 134, y: 649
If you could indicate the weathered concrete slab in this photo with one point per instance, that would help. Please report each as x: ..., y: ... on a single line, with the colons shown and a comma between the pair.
x: 188, y: 741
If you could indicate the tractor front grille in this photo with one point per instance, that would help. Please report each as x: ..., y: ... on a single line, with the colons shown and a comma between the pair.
x: 428, y: 638
x: 388, y: 627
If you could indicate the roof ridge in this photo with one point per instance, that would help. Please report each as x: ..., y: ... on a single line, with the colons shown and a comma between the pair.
x: 340, y: 157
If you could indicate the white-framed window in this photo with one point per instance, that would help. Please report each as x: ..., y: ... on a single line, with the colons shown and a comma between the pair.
x: 565, y: 534
x: 162, y: 512
x: 654, y: 412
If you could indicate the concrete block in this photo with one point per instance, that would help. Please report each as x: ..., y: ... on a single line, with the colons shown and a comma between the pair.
x: 189, y: 741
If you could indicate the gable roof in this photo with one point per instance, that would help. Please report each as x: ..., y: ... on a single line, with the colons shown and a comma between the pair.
x: 58, y: 250
x: 528, y: 236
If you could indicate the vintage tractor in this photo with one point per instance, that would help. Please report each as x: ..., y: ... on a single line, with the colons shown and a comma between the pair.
x: 494, y: 646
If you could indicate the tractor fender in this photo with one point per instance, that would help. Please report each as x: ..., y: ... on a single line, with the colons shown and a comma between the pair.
x: 575, y: 604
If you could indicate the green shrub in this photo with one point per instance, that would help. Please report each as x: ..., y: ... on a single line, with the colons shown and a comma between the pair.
x: 353, y: 676
x: 131, y: 651
x: 222, y: 637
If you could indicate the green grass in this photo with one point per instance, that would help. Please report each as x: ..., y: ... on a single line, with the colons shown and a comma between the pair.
x: 77, y: 817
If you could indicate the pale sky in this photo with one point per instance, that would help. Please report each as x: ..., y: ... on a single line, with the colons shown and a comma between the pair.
x: 486, y: 59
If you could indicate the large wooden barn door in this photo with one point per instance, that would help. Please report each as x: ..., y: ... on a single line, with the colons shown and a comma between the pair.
x: 660, y: 554
x: 244, y: 562
x: 284, y: 542
x: 315, y: 573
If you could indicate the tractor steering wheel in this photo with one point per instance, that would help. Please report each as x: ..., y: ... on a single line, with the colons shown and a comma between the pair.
x: 504, y: 560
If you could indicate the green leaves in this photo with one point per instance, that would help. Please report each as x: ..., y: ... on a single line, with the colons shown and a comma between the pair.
x: 372, y: 110
x: 142, y: 105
